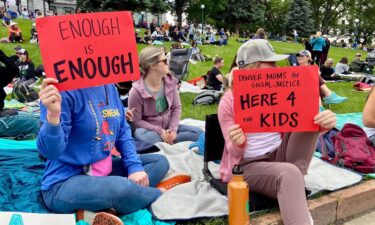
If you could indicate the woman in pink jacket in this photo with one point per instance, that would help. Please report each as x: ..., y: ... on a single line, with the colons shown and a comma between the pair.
x: 156, y: 102
x: 274, y: 164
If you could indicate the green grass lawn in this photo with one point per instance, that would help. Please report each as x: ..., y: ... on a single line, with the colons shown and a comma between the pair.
x: 355, y: 101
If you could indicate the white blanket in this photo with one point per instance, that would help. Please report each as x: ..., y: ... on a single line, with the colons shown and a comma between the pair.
x: 198, y: 199
x: 187, y: 87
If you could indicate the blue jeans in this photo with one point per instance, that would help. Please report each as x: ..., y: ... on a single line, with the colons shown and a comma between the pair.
x: 184, y: 133
x: 113, y: 191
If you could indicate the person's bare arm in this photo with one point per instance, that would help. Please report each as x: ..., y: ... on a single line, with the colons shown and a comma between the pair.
x: 369, y: 110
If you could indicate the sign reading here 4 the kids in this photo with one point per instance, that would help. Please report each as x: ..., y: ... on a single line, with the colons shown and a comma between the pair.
x: 284, y: 99
x: 85, y: 50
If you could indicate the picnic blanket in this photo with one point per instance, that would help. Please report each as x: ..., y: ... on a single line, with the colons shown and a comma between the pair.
x: 354, y: 118
x: 187, y: 87
x: 198, y: 199
x: 22, y: 171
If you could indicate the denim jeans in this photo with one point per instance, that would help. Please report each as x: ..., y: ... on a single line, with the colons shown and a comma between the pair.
x: 113, y: 191
x: 184, y: 133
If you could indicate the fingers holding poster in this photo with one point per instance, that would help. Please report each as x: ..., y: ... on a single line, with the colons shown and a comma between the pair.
x: 84, y: 50
x: 282, y: 99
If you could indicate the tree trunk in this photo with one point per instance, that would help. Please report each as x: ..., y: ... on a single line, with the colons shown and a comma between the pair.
x: 237, y: 25
x: 179, y: 17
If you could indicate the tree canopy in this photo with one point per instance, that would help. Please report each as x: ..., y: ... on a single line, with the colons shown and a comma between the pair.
x: 276, y: 16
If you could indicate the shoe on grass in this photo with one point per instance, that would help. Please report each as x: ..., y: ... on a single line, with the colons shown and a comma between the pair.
x: 334, y: 99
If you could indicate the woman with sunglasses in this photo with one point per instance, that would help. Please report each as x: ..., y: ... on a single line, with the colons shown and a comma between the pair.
x: 274, y: 163
x: 156, y: 102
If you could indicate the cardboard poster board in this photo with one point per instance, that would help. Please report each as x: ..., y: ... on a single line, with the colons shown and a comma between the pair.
x: 85, y: 50
x: 282, y: 99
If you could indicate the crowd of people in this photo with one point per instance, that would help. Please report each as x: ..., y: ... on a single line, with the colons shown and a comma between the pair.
x: 157, y: 34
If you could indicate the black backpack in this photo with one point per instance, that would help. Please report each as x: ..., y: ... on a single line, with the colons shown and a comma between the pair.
x: 207, y: 98
x: 23, y: 93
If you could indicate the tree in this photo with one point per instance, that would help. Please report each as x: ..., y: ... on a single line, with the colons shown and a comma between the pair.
x: 158, y: 7
x: 326, y: 13
x: 299, y: 18
x: 97, y: 5
x: 210, y: 12
x: 275, y: 15
x: 245, y: 11
x: 178, y: 7
x: 364, y: 11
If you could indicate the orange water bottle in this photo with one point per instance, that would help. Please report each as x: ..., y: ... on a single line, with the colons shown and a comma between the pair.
x: 238, y: 198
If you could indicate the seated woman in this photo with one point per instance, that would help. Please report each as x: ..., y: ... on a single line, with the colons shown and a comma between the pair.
x: 274, y: 164
x: 14, y: 33
x: 77, y: 137
x: 196, y: 52
x: 329, y: 97
x: 215, y: 77
x: 327, y: 72
x: 26, y: 67
x: 342, y: 67
x: 156, y: 102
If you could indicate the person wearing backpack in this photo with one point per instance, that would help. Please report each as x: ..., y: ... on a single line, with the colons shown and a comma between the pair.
x: 274, y: 164
x: 7, y: 73
x: 156, y: 102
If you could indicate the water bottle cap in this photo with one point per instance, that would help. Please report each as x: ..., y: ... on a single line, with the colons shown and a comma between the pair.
x: 237, y: 170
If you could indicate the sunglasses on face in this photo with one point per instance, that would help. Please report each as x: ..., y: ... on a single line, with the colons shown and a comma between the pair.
x: 163, y: 60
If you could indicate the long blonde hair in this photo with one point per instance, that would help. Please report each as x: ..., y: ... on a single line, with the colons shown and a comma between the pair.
x: 148, y: 57
x: 327, y: 63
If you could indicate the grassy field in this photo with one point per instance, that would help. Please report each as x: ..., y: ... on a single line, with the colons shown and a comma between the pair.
x: 354, y: 104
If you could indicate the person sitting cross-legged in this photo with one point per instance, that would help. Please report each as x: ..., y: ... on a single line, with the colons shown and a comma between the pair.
x: 156, y: 102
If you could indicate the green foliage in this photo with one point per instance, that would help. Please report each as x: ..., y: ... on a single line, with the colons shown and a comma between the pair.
x: 275, y: 15
x: 326, y: 13
x: 158, y: 6
x: 178, y: 7
x: 212, y: 10
x: 155, y: 6
x: 364, y: 11
x: 299, y: 17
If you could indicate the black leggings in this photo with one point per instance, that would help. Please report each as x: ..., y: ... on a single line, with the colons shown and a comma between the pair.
x: 316, y: 57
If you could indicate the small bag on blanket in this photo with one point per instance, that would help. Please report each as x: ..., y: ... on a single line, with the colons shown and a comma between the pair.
x: 353, y: 149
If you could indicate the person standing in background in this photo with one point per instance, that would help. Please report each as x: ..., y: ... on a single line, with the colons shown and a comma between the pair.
x: 318, y: 43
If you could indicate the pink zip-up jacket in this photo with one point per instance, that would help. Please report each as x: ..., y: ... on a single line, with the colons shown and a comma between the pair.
x: 145, y: 115
x: 233, y: 153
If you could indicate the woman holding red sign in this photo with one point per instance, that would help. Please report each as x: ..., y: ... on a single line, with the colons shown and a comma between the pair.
x: 274, y: 164
x: 79, y: 130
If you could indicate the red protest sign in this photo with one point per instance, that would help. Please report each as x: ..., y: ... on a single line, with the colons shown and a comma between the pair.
x: 85, y: 50
x: 282, y: 99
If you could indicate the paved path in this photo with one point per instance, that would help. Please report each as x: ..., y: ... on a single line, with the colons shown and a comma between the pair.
x: 366, y: 219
